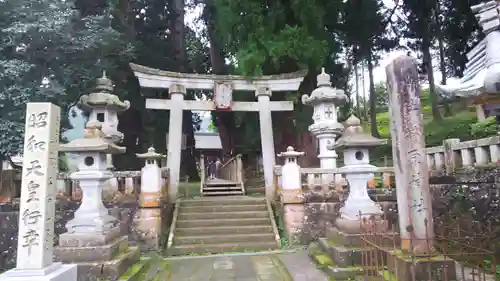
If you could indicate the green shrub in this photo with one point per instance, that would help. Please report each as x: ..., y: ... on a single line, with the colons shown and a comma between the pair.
x: 483, y: 129
x: 462, y: 125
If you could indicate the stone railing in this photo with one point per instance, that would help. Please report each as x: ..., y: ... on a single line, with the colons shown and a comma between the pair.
x: 456, y: 154
x: 124, y: 183
x: 325, y: 179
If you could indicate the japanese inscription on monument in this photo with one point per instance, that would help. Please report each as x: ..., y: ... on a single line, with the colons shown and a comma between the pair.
x: 40, y: 166
x: 412, y: 179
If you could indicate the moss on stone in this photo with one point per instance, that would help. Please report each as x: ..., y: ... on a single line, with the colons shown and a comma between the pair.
x: 408, y: 257
x: 324, y: 259
x: 389, y: 276
x: 333, y: 242
x: 134, y: 270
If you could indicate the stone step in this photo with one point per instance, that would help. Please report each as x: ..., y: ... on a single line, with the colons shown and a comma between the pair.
x: 222, y: 248
x: 223, y: 208
x: 250, y: 229
x: 236, y: 200
x: 227, y: 184
x: 224, y: 239
x: 332, y: 270
x: 223, y: 222
x: 217, y: 188
x: 223, y: 215
x: 222, y: 193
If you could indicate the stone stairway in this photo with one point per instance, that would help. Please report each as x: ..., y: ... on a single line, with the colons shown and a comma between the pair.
x: 221, y: 187
x: 223, y: 224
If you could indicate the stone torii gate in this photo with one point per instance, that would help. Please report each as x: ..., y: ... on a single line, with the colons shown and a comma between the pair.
x: 223, y: 86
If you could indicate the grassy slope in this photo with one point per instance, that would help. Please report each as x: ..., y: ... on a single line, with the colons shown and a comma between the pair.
x: 462, y: 125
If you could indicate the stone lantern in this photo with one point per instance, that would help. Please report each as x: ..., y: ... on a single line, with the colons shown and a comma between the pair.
x: 326, y: 127
x: 104, y: 107
x: 355, y: 145
x: 291, y: 183
x: 92, y: 174
x: 151, y: 181
x: 94, y: 236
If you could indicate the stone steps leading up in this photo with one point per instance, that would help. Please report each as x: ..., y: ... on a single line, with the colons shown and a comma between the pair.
x: 222, y: 248
x: 236, y: 200
x: 248, y: 229
x: 225, y: 239
x: 222, y: 222
x: 225, y: 215
x: 221, y: 187
x: 225, y: 208
x: 218, y: 224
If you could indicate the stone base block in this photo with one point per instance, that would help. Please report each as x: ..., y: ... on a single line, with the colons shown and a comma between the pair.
x: 150, y: 199
x: 55, y: 272
x: 91, y: 253
x: 338, y: 237
x: 293, y: 196
x: 109, y: 270
x: 342, y: 256
x: 436, y: 267
x: 293, y: 217
x: 88, y: 239
x: 333, y: 271
x: 147, y: 228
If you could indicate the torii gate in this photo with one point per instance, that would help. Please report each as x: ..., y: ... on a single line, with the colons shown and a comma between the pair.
x: 223, y: 86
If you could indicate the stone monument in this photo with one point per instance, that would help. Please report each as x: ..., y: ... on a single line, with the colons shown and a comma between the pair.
x: 93, y: 239
x: 326, y: 127
x: 38, y: 195
x: 416, y: 223
x: 355, y: 145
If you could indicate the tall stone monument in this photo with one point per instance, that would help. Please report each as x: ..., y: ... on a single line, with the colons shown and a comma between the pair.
x: 94, y: 239
x: 38, y: 196
x: 326, y: 127
x: 416, y: 224
x: 409, y: 156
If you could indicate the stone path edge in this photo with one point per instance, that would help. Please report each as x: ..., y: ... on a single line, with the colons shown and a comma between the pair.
x: 237, y: 254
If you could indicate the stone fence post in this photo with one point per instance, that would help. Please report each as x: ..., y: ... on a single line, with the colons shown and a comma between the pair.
x: 450, y: 157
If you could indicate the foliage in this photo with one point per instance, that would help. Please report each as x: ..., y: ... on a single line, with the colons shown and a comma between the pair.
x: 485, y: 128
x: 261, y: 34
x: 46, y: 56
x: 462, y: 125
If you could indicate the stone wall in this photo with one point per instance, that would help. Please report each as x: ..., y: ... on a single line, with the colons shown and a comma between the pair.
x: 127, y: 213
x: 468, y: 199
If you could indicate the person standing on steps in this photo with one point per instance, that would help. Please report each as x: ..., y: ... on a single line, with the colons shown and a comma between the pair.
x: 218, y: 165
x: 211, y: 169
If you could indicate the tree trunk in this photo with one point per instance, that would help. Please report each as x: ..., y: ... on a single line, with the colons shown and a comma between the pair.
x: 356, y: 74
x: 436, y: 115
x: 442, y: 63
x: 224, y: 121
x: 188, y: 163
x: 373, y: 99
x: 365, y: 106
